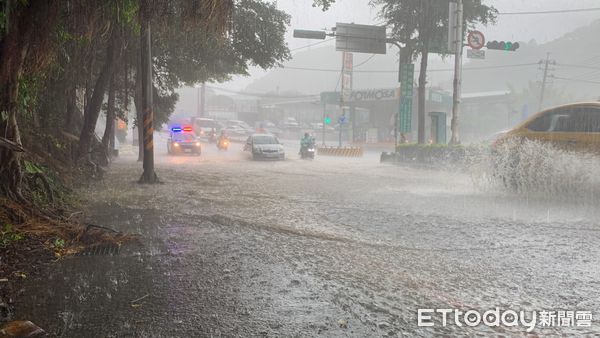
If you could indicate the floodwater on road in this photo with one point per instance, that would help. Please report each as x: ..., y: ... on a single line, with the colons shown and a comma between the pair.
x: 328, y: 247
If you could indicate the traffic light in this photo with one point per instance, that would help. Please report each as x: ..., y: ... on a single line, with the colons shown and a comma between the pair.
x: 501, y: 45
x: 327, y: 120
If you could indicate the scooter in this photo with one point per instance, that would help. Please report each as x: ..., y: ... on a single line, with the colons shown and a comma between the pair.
x: 223, y: 143
x: 307, y: 151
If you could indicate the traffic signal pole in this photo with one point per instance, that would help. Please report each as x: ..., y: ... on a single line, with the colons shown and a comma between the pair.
x: 454, y: 139
x: 323, y: 119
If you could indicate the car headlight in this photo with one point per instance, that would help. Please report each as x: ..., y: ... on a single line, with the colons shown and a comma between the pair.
x: 197, y: 144
x: 176, y: 144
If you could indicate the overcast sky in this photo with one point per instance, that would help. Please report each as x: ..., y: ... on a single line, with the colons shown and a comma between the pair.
x: 542, y: 28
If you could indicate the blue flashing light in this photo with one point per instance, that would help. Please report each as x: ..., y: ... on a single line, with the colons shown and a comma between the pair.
x: 176, y: 129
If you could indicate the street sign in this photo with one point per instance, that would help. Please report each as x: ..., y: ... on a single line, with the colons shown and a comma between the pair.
x: 452, y: 21
x: 348, y: 65
x: 475, y: 54
x: 438, y: 43
x: 351, y: 37
x: 476, y: 40
x: 407, y: 73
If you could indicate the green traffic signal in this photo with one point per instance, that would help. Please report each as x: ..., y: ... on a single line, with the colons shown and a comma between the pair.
x: 327, y: 120
x: 501, y: 45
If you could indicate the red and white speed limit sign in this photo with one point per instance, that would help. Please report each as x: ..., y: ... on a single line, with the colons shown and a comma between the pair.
x: 476, y: 40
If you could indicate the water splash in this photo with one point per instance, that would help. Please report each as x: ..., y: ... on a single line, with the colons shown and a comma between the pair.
x: 536, y: 169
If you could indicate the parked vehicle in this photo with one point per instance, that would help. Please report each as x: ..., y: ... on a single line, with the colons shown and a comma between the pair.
x: 238, y: 124
x: 290, y: 123
x: 235, y: 131
x: 269, y: 127
x: 204, y: 126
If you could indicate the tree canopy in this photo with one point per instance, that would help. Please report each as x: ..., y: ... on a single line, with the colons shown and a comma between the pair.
x: 64, y: 62
x: 421, y: 25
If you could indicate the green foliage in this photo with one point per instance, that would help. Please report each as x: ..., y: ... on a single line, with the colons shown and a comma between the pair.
x: 8, y: 235
x: 323, y: 4
x: 27, y: 101
x: 187, y: 49
x: 59, y: 243
x: 421, y: 24
x: 31, y: 168
x: 196, y: 54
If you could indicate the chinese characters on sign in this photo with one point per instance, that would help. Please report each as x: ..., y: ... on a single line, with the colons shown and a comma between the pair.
x: 407, y: 72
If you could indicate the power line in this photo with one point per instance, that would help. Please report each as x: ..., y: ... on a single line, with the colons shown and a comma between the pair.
x: 577, y: 66
x: 575, y: 80
x: 577, y: 10
x: 362, y: 63
x: 312, y: 44
x: 396, y: 71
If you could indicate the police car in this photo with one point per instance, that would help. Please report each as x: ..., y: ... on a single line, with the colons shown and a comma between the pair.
x: 183, y: 140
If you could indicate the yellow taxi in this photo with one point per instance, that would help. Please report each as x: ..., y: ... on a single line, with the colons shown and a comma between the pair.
x: 570, y: 127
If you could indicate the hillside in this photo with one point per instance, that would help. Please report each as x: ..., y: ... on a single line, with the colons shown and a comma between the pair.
x: 499, y: 71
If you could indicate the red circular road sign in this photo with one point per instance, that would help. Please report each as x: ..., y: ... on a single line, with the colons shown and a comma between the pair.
x: 476, y: 40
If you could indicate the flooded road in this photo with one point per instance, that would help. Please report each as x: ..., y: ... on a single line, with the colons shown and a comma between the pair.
x: 330, y: 247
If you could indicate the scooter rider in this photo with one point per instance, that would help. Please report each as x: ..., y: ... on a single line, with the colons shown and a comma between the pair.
x: 306, y: 141
x: 222, y: 137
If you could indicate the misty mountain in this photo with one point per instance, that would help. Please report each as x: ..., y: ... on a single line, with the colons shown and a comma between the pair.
x: 573, y: 69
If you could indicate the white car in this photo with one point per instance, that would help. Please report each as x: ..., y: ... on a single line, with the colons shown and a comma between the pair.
x: 265, y: 146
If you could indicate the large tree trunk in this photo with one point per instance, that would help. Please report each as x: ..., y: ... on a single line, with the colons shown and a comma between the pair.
x: 71, y: 107
x: 11, y: 174
x: 421, y: 94
x: 92, y: 110
x: 110, y: 119
x: 13, y: 52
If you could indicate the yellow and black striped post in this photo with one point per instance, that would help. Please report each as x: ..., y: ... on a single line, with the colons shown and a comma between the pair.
x: 149, y: 176
x: 340, y: 151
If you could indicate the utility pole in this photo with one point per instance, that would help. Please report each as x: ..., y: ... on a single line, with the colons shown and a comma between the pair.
x: 149, y: 176
x: 202, y: 99
x: 458, y: 47
x: 546, y: 63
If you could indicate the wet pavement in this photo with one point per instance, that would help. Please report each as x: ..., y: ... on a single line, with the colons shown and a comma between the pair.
x: 330, y: 247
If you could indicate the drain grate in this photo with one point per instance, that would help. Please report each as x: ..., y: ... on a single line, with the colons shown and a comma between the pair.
x: 101, y: 250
